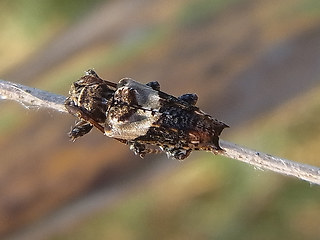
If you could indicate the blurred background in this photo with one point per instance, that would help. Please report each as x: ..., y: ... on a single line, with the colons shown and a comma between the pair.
x: 254, y: 65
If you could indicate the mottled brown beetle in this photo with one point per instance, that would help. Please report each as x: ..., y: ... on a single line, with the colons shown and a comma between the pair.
x: 142, y: 116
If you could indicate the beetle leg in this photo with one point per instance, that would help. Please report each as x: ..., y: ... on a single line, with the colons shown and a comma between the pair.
x: 81, y: 128
x: 190, y: 98
x: 154, y: 85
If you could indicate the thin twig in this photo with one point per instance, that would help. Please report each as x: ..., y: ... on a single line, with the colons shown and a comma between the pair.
x: 266, y: 161
x: 39, y: 98
x: 33, y: 97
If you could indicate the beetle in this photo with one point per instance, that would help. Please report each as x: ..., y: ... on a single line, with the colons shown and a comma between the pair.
x: 142, y: 116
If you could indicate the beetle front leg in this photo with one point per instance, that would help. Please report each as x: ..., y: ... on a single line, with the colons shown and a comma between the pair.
x: 81, y: 128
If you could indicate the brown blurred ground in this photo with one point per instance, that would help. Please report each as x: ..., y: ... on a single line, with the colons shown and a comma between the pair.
x: 242, y: 60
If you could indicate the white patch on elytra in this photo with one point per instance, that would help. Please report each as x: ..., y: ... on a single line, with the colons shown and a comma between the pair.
x: 145, y: 95
x: 138, y: 123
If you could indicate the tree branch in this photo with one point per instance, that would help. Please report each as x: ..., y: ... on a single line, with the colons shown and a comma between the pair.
x: 29, y: 96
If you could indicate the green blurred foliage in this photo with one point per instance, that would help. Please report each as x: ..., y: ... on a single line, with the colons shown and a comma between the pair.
x: 35, y: 14
x: 197, y: 12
